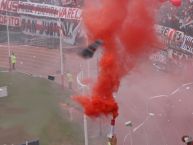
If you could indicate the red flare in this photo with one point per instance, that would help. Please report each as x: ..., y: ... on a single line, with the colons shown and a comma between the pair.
x: 113, y: 122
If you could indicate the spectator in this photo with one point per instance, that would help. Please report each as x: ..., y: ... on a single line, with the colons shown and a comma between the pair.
x: 177, y: 18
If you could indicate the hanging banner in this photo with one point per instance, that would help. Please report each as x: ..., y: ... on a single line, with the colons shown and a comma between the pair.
x: 169, y: 33
x: 171, y: 37
x: 51, y: 28
x: 42, y: 20
x: 43, y: 10
x: 39, y: 27
x: 70, y: 13
x: 9, y: 20
x: 37, y: 9
x: 70, y: 31
x: 51, y: 11
x: 7, y: 5
x: 187, y: 44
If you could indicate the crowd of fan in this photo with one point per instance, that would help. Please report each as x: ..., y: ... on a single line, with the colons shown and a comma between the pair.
x: 180, y: 18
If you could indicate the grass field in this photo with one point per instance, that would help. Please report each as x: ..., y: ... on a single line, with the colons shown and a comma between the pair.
x: 31, y: 111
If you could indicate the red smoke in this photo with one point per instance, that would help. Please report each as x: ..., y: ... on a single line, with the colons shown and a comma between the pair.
x: 127, y: 29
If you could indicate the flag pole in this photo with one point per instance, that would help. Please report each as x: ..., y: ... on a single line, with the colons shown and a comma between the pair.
x: 61, y: 54
x: 8, y: 41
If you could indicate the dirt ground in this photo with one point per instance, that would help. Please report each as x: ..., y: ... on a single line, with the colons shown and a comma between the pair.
x: 14, y: 136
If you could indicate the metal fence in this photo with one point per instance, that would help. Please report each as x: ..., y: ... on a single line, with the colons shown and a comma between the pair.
x: 22, y: 39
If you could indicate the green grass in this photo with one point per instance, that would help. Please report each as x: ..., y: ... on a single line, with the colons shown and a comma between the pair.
x: 32, y: 104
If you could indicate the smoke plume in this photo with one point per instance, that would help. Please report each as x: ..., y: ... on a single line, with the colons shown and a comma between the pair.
x: 127, y: 29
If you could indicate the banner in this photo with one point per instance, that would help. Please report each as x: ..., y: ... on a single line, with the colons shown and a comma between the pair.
x: 170, y: 37
x: 7, y: 5
x: 37, y: 9
x: 42, y: 20
x: 179, y: 47
x: 187, y: 44
x: 169, y: 33
x: 43, y: 10
x: 9, y: 20
x: 70, y: 13
x: 51, y: 28
x: 39, y: 27
x: 71, y: 30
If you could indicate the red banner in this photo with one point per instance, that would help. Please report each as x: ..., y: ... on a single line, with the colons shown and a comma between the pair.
x: 9, y: 20
x: 43, y: 10
x: 7, y: 5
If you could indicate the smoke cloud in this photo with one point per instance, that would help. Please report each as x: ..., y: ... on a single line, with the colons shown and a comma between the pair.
x: 127, y: 29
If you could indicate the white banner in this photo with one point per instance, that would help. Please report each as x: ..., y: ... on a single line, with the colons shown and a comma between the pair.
x: 43, y: 10
x: 188, y: 44
x: 169, y: 33
x: 7, y: 5
x: 71, y: 30
x: 46, y: 10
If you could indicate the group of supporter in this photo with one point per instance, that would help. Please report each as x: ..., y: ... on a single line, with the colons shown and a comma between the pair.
x: 72, y: 3
x: 179, y: 18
